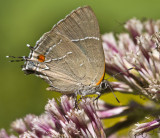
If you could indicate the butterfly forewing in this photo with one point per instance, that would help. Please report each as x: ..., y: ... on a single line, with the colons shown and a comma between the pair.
x: 82, y: 28
x: 65, y: 67
x: 73, y: 51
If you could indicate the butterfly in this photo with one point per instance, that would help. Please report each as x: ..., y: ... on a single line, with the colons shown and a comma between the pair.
x: 70, y: 57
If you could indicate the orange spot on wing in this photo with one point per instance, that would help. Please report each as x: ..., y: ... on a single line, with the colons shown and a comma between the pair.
x: 101, y: 77
x: 41, y: 58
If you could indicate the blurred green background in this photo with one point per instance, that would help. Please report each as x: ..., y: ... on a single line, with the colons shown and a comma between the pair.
x: 24, y: 21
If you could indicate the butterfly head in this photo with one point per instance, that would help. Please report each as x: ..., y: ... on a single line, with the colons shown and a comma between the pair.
x: 29, y: 67
x: 32, y: 62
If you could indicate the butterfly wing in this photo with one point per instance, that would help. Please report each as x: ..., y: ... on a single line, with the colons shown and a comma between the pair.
x: 82, y: 28
x: 73, y: 52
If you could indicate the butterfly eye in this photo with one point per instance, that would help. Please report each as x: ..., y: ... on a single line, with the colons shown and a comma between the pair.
x: 103, y: 85
x: 41, y: 58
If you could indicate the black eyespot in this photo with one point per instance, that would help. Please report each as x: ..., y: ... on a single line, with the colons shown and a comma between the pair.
x: 103, y: 85
x: 28, y: 72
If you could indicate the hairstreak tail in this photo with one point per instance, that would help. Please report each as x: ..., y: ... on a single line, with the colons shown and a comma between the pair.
x: 70, y: 56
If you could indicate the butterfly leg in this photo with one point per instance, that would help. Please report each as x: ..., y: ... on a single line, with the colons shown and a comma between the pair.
x: 76, y: 101
x: 96, y: 99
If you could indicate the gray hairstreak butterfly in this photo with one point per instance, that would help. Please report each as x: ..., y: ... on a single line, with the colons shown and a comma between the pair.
x: 70, y: 56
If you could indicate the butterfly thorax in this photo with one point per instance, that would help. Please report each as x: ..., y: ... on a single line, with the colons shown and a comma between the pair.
x: 87, y: 90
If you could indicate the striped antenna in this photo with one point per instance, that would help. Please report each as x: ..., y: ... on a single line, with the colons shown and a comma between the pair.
x: 113, y: 77
x: 30, y: 47
x: 22, y: 58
